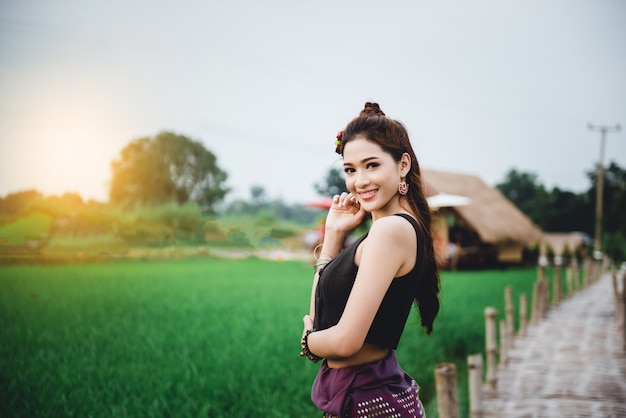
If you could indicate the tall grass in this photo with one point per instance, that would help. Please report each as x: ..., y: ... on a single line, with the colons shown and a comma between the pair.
x: 195, y: 338
x: 192, y: 338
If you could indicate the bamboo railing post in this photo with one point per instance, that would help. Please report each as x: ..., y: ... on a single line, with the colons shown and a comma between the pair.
x: 592, y: 271
x: 475, y: 376
x: 491, y: 344
x: 534, y: 312
x: 624, y: 310
x: 545, y: 296
x: 587, y: 271
x: 504, y: 342
x: 445, y: 382
x: 575, y: 273
x: 508, y: 303
x: 541, y: 269
x: 541, y: 299
x: 604, y: 266
x: 558, y: 288
x: 600, y: 269
x: 523, y: 314
x: 537, y: 296
x: 595, y: 270
x: 620, y: 305
x: 569, y: 280
x: 617, y: 297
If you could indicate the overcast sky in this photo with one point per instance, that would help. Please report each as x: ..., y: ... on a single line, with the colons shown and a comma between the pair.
x: 482, y: 86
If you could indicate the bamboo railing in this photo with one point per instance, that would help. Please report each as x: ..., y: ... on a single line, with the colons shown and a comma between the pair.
x: 445, y: 373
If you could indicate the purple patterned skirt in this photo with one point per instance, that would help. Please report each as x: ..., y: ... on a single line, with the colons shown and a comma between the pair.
x: 377, y: 389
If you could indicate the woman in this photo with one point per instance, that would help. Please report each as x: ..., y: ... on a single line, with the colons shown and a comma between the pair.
x: 362, y: 295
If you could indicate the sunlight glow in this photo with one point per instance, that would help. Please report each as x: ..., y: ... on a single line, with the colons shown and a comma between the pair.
x: 67, y: 141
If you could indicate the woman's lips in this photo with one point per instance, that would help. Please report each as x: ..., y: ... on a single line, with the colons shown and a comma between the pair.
x: 368, y: 194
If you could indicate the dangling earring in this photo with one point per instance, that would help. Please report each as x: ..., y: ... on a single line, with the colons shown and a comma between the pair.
x: 403, y: 188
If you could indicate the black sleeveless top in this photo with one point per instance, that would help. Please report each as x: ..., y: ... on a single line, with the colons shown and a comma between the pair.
x: 335, y: 284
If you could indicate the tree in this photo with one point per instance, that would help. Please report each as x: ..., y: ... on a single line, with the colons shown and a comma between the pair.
x: 16, y: 203
x: 554, y: 211
x: 563, y: 211
x: 332, y: 184
x: 525, y: 191
x: 166, y: 168
x: 566, y: 211
x: 258, y: 197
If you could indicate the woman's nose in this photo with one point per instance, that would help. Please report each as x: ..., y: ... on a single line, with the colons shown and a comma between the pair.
x: 361, y: 179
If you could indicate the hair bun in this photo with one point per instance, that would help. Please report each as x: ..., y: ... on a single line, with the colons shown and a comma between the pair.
x: 372, y: 108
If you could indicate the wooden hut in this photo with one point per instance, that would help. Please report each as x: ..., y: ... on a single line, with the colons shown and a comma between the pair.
x: 564, y: 244
x: 487, y: 230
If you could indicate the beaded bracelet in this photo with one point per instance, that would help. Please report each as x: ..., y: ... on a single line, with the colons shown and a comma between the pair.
x: 305, y: 352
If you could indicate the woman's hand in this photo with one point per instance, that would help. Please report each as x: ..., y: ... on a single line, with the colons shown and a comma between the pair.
x: 344, y: 214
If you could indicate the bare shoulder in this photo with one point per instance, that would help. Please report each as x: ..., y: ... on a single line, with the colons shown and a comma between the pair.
x: 394, y: 228
x: 391, y: 242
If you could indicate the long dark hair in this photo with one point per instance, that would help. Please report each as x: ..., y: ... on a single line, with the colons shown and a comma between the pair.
x: 393, y: 138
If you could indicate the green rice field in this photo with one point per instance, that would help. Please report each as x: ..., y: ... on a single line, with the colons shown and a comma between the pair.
x: 199, y: 337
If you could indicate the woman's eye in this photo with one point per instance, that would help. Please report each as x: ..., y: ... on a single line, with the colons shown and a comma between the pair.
x: 372, y: 165
x: 348, y: 170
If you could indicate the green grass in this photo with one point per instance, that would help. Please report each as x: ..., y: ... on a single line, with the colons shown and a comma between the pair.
x: 33, y: 226
x: 197, y: 338
x: 84, y: 243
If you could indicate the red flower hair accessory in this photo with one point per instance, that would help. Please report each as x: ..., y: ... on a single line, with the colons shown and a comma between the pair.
x: 338, y: 139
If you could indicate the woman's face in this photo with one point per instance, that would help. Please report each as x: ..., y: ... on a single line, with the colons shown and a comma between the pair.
x: 372, y: 175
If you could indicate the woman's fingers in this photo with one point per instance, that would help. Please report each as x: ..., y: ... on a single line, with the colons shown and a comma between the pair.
x: 308, y: 322
x: 345, y: 199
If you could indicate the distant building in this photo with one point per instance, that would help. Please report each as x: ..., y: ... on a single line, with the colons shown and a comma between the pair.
x: 476, y: 226
x: 557, y: 246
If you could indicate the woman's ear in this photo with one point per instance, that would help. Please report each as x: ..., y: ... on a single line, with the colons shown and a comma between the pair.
x: 405, y: 164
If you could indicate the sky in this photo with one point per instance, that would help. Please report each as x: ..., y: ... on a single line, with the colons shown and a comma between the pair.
x: 483, y: 87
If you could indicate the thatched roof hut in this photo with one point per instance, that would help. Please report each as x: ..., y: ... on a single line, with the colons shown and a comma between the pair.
x: 494, y: 220
x: 559, y: 242
x: 491, y: 214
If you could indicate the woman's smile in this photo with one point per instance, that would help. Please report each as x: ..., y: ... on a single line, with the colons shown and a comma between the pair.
x: 368, y: 194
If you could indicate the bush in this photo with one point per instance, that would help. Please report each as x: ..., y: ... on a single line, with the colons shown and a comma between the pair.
x: 34, y: 227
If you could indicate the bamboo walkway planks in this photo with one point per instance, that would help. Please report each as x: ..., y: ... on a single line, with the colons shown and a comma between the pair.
x: 570, y: 364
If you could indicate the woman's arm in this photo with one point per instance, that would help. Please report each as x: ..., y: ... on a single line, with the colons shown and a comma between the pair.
x: 333, y: 243
x: 388, y: 251
x: 344, y: 215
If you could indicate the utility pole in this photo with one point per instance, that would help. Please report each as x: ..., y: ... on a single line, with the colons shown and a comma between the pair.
x: 603, y: 129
